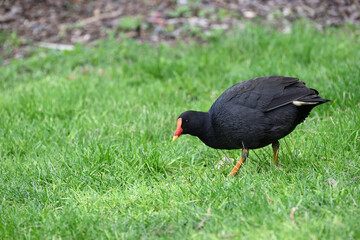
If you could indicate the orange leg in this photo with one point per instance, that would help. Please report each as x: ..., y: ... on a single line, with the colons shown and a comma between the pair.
x: 275, y: 147
x: 244, y: 154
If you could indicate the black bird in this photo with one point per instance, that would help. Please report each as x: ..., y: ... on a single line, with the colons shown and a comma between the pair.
x: 252, y: 114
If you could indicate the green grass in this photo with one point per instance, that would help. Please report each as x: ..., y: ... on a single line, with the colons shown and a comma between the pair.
x: 86, y: 151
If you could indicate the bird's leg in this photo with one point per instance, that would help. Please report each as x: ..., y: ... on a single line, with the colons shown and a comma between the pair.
x: 244, y: 154
x: 275, y: 147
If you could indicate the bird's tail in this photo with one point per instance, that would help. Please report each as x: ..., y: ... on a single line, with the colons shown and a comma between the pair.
x: 310, y: 101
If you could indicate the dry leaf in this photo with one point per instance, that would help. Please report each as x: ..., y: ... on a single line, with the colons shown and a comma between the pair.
x: 332, y: 182
x: 225, y: 162
x: 354, y: 179
x: 227, y: 236
x: 292, y: 212
x: 202, y: 223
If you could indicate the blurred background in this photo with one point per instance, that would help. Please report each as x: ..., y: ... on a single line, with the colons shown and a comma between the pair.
x: 61, y: 24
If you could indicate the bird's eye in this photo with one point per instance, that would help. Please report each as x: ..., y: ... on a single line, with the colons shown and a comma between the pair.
x: 186, y: 120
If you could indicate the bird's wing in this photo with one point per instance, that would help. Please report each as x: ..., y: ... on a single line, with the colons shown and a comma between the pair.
x: 295, y: 93
x: 267, y: 93
x: 289, y: 93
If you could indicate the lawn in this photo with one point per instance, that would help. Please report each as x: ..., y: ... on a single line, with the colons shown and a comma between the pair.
x: 86, y: 150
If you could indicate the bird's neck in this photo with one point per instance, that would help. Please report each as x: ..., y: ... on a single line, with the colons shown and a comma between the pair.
x: 207, y: 126
x: 207, y: 134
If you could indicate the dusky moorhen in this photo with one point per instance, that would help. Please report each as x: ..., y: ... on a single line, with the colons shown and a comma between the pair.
x: 252, y: 114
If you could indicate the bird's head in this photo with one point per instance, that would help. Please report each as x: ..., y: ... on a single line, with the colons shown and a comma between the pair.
x: 190, y: 122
